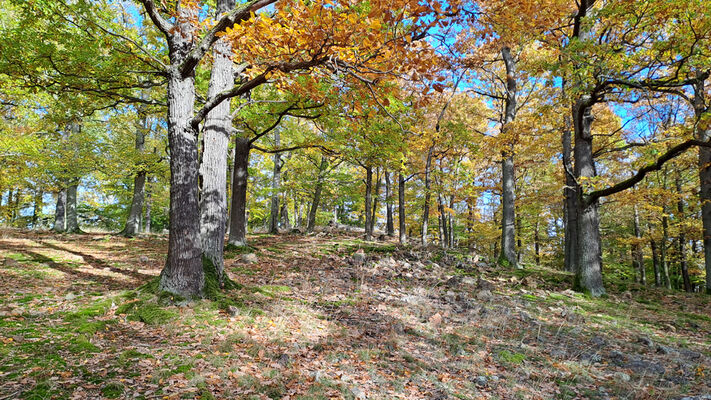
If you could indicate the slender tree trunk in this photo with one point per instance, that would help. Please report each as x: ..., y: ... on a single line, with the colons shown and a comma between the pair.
x: 570, y: 210
x: 588, y: 268
x: 451, y: 221
x: 682, y: 236
x: 147, y: 218
x: 60, y: 222
x: 389, y: 224
x: 401, y: 208
x: 637, y: 250
x: 311, y: 223
x: 133, y: 226
x: 276, y: 182
x: 37, y: 210
x: 442, y: 224
x: 537, y: 243
x: 368, y: 202
x: 213, y: 168
x: 72, y: 218
x: 16, y: 205
x: 426, y: 207
x: 238, y: 217
x: 655, y: 263
x: 376, y: 197
x: 663, y: 249
x: 703, y: 133
x: 508, y: 232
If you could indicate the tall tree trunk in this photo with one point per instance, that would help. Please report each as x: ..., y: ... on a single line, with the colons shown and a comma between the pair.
x: 703, y: 133
x: 60, y: 211
x: 655, y: 263
x: 276, y: 183
x: 389, y: 223
x: 238, y: 206
x: 149, y: 204
x: 508, y: 232
x: 663, y: 249
x: 37, y: 209
x: 442, y: 224
x: 183, y: 272
x: 72, y: 218
x: 637, y: 250
x: 682, y: 236
x: 570, y: 209
x: 426, y: 207
x: 16, y: 205
x: 376, y: 198
x: 450, y: 218
x: 368, y: 202
x: 588, y: 268
x: 311, y: 223
x: 401, y: 208
x: 133, y: 226
x: 537, y: 243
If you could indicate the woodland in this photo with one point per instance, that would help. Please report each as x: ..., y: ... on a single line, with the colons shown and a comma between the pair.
x: 318, y: 199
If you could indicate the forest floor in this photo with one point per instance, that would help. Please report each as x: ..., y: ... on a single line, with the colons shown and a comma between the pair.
x: 322, y: 317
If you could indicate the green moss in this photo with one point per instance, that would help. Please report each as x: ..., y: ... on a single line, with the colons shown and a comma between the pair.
x: 94, y: 310
x: 511, y: 358
x: 212, y: 289
x: 41, y: 391
x: 150, y: 313
x: 81, y: 345
x: 112, y: 390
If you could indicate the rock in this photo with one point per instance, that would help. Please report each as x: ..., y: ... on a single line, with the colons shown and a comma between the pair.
x: 233, y: 311
x: 645, y: 341
x: 481, y: 381
x: 559, y: 353
x: 357, y: 393
x: 358, y: 257
x: 641, y: 366
x: 617, y: 358
x: 454, y: 281
x: 436, y: 320
x: 70, y: 296
x: 468, y: 280
x: 664, y: 349
x: 250, y: 258
x: 143, y: 259
x: 483, y: 284
x: 283, y: 359
x: 484, y: 295
x: 598, y: 342
x: 622, y: 377
x: 701, y: 397
x: 689, y: 354
x: 9, y: 262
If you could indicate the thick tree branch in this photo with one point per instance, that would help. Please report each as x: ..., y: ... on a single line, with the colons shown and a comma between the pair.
x: 161, y: 23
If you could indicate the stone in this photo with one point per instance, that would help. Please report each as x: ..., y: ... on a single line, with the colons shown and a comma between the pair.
x: 357, y: 393
x: 233, y: 311
x: 250, y: 258
x: 436, y: 320
x: 641, y: 366
x: 143, y: 259
x: 483, y: 284
x: 689, y: 354
x: 70, y: 296
x: 664, y: 349
x: 468, y: 280
x: 283, y: 360
x: 645, y: 341
x: 481, y: 381
x: 622, y: 377
x: 358, y: 257
x: 598, y: 342
x: 484, y: 295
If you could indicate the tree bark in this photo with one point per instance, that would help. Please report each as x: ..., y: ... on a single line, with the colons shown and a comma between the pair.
x: 588, y: 268
x: 213, y: 168
x: 389, y: 223
x: 183, y: 272
x: 683, y: 267
x: 703, y: 133
x: 147, y: 218
x: 426, y: 207
x: 655, y: 263
x: 401, y: 209
x: 72, y: 218
x: 311, y: 223
x: 276, y: 181
x: 570, y: 210
x: 60, y: 222
x: 133, y: 223
x: 376, y: 197
x: 637, y: 250
x: 508, y: 232
x: 663, y: 249
x: 238, y: 206
x: 537, y: 243
x: 37, y: 209
x: 368, y: 202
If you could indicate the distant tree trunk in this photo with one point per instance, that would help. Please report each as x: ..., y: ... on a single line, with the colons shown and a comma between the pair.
x: 508, y: 232
x: 60, y: 222
x: 663, y: 249
x: 72, y: 220
x: 401, y: 208
x: 368, y: 202
x: 442, y: 223
x: 133, y: 225
x: 238, y: 217
x: 16, y: 205
x: 426, y: 207
x: 655, y: 263
x: 276, y: 182
x: 37, y: 209
x: 637, y: 250
x: 519, y: 237
x: 376, y: 197
x: 451, y: 221
x: 147, y: 218
x: 229, y: 178
x: 389, y: 224
x: 537, y: 243
x: 311, y: 223
x: 588, y: 268
x: 682, y: 236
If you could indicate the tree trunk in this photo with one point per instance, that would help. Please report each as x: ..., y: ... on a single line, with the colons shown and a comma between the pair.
x: 703, y: 133
x: 442, y: 224
x: 376, y: 197
x: 147, y: 218
x: 311, y: 223
x: 72, y: 219
x: 588, y: 268
x: 655, y: 263
x: 426, y: 207
x: 60, y: 222
x: 637, y: 250
x: 537, y: 243
x: 133, y: 223
x: 389, y: 223
x: 663, y: 249
x: 238, y: 206
x: 570, y: 210
x: 450, y: 218
x: 216, y: 138
x: 276, y: 181
x: 37, y: 209
x: 368, y: 202
x: 508, y: 232
x: 401, y: 208
x: 682, y: 236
